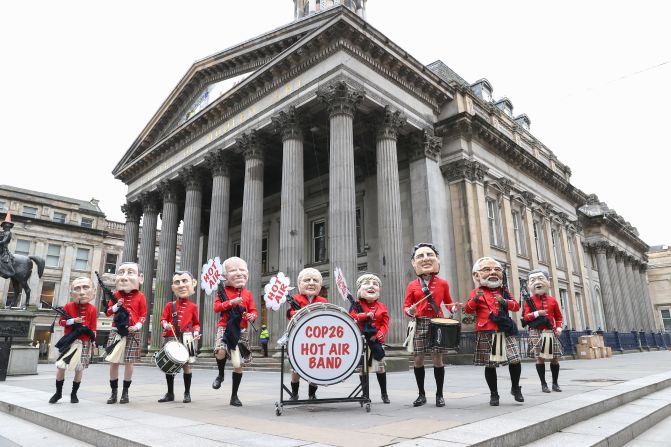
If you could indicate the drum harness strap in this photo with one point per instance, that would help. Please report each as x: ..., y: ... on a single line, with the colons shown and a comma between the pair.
x: 427, y: 294
x: 175, y: 321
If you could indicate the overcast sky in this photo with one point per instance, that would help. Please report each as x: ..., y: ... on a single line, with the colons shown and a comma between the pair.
x: 80, y: 80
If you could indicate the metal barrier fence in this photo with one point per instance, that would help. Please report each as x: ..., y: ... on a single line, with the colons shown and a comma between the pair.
x: 617, y: 341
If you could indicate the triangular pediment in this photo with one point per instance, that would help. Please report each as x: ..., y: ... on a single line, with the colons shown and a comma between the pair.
x: 202, y: 99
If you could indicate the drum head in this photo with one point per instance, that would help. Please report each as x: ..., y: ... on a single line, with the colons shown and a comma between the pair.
x: 444, y: 321
x: 324, y: 344
x: 176, y: 352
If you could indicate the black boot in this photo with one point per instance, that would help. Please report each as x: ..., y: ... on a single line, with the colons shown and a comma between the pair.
x: 490, y: 377
x: 312, y: 391
x: 419, y: 378
x: 221, y: 365
x: 187, y: 388
x: 554, y: 367
x: 124, y: 392
x: 517, y: 392
x: 515, y: 370
x: 59, y: 392
x: 382, y: 380
x: 114, y: 384
x: 494, y: 399
x: 170, y: 395
x: 237, y: 377
x: 294, y: 390
x: 73, y: 394
x: 540, y: 369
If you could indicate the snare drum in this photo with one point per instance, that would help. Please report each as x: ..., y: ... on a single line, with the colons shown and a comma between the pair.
x: 444, y: 333
x: 171, y: 357
x: 324, y: 344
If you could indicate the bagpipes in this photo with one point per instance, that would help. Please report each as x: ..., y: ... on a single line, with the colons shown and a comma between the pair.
x: 503, y: 320
x: 526, y: 299
x: 232, y: 332
x: 70, y: 352
x: 115, y: 350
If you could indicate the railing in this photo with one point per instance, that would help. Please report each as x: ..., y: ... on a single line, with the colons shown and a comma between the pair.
x: 617, y: 341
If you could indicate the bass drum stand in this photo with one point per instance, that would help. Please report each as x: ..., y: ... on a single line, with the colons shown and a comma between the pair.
x: 360, y: 394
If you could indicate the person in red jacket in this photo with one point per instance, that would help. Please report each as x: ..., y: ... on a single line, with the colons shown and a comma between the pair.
x: 238, y: 303
x: 309, y: 285
x: 423, y: 298
x: 490, y: 297
x: 543, y: 306
x: 127, y: 282
x: 373, y: 320
x: 83, y: 313
x: 183, y: 286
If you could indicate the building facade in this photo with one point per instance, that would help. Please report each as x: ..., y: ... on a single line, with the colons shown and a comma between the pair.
x: 659, y: 277
x: 324, y: 144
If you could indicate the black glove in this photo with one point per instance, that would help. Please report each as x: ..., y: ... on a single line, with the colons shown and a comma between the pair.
x: 295, y: 305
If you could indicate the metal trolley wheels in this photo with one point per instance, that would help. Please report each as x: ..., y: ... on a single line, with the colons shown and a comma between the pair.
x: 278, y: 409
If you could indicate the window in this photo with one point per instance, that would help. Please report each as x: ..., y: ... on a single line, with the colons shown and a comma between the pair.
x: 30, y: 211
x: 563, y: 302
x: 666, y: 319
x: 236, y: 248
x: 359, y: 231
x: 578, y: 310
x: 53, y: 255
x: 87, y: 222
x: 264, y: 255
x: 47, y: 295
x: 556, y: 247
x: 518, y: 228
x: 539, y: 238
x: 59, y: 217
x: 22, y: 247
x: 494, y: 219
x: 110, y: 262
x: 319, y: 240
x: 82, y: 259
x: 3, y: 206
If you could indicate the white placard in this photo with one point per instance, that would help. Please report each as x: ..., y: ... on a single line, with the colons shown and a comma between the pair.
x: 212, y: 273
x: 275, y: 292
x: 341, y: 284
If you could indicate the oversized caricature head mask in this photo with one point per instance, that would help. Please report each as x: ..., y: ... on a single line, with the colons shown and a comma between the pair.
x: 309, y: 282
x: 82, y: 290
x: 425, y: 259
x: 487, y: 272
x: 368, y: 287
x: 128, y: 277
x: 539, y: 282
x: 183, y: 284
x: 235, y: 272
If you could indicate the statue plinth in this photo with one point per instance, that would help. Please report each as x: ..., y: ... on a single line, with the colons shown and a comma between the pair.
x: 23, y: 357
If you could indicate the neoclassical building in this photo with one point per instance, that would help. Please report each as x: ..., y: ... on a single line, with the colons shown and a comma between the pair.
x: 324, y: 144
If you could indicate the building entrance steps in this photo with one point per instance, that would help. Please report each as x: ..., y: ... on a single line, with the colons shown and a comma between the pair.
x: 590, y: 389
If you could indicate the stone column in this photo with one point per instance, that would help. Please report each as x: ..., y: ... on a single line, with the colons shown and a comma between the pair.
x: 217, y: 242
x: 546, y: 226
x: 607, y: 293
x: 133, y: 212
x: 192, y: 178
x: 578, y: 316
x: 588, y: 292
x: 652, y: 313
x: 150, y: 207
x: 292, y: 212
x: 64, y: 289
x: 620, y: 322
x: 252, y: 213
x: 635, y: 296
x: 167, y: 253
x: 529, y: 228
x: 427, y: 191
x: 626, y: 311
x: 509, y: 230
x: 341, y: 100
x: 389, y: 220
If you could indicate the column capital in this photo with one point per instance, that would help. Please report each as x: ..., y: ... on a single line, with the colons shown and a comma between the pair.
x: 219, y: 162
x: 249, y: 146
x: 506, y: 186
x: 643, y: 268
x: 425, y: 145
x: 288, y: 124
x: 340, y: 97
x: 464, y: 169
x: 529, y: 197
x: 602, y: 247
x: 169, y: 190
x: 151, y: 202
x: 132, y: 210
x: 620, y: 255
x: 192, y: 178
x: 389, y: 124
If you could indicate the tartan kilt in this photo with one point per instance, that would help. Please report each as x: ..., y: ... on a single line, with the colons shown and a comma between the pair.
x: 85, y: 358
x: 132, y: 351
x: 421, y: 343
x: 244, y: 339
x: 483, y: 348
x: 534, y: 345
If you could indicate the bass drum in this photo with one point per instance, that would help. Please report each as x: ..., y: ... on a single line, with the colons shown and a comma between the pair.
x: 324, y: 344
x: 172, y: 357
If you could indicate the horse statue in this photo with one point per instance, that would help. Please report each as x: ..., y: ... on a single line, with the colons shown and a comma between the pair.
x: 17, y: 268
